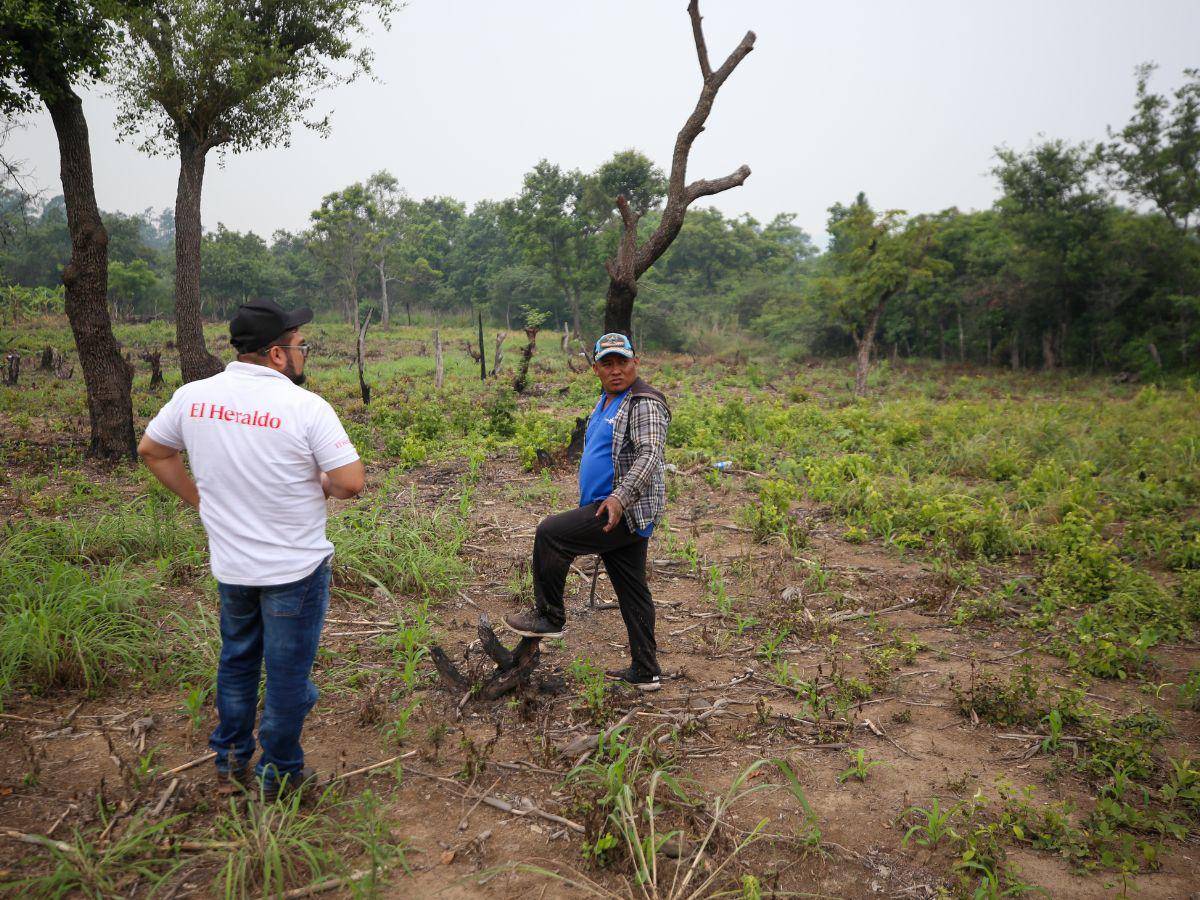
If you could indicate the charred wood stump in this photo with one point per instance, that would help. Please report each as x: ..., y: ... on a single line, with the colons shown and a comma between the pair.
x: 522, y: 380
x: 51, y: 360
x: 513, y: 667
x: 155, y: 360
x: 12, y: 368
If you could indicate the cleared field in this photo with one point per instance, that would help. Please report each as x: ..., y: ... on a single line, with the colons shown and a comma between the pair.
x: 941, y: 641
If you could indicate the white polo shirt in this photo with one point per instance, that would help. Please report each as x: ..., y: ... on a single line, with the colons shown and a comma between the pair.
x: 257, y: 445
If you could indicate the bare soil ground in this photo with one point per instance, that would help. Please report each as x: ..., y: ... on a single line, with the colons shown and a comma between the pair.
x: 53, y: 763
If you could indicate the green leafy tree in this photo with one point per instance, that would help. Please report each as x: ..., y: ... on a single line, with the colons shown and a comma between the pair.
x: 342, y: 235
x: 1156, y: 156
x: 390, y: 213
x: 555, y: 227
x: 1057, y: 215
x: 235, y: 269
x: 872, y: 258
x: 131, y: 286
x: 233, y: 76
x: 47, y: 49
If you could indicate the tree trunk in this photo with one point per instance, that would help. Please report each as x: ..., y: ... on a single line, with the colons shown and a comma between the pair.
x: 1048, y: 360
x: 439, y: 371
x: 575, y: 311
x: 384, y: 312
x: 194, y: 359
x: 962, y: 341
x: 1014, y: 350
x: 618, y: 306
x: 408, y: 310
x: 989, y: 345
x: 105, y: 373
x: 862, y: 364
x: 863, y: 346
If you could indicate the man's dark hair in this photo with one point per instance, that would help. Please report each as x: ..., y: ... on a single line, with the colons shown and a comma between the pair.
x: 283, y: 340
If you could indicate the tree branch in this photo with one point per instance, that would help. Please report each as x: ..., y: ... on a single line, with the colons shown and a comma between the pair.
x: 698, y: 34
x: 706, y: 188
x: 678, y: 192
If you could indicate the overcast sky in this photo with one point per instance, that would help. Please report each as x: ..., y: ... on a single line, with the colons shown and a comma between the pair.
x: 905, y: 100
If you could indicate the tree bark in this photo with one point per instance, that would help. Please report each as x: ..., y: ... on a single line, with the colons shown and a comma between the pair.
x: 1014, y: 350
x: 195, y: 361
x: 962, y: 340
x: 107, y: 376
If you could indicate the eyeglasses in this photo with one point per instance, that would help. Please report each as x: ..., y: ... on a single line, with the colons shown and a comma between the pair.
x: 302, y: 347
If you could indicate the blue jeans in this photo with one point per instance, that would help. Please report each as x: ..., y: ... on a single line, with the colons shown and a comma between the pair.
x: 280, y: 625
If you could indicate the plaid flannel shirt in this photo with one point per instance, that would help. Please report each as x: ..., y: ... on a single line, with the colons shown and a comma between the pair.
x: 639, y: 440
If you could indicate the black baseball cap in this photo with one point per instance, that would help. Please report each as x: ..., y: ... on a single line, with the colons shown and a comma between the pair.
x: 259, y: 322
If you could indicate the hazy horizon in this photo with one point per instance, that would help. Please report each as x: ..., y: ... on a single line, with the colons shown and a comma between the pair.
x: 904, y: 102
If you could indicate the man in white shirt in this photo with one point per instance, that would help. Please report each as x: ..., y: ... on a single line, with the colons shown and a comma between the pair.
x: 264, y: 453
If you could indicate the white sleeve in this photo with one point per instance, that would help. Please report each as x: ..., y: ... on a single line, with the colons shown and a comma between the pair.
x: 166, y: 428
x: 327, y: 438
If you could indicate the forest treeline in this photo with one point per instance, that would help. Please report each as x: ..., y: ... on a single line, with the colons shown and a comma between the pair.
x: 1089, y: 258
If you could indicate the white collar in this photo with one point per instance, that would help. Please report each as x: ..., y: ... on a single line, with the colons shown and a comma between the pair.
x: 242, y: 368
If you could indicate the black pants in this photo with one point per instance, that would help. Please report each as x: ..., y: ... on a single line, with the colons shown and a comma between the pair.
x: 561, y: 538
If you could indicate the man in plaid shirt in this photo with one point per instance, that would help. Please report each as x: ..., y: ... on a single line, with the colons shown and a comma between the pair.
x: 622, y: 494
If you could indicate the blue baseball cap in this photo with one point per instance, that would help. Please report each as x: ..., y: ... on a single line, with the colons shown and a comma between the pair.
x: 613, y: 342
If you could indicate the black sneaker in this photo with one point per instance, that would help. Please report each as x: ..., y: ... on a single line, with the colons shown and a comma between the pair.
x: 533, y: 625
x: 288, y: 783
x: 638, y: 679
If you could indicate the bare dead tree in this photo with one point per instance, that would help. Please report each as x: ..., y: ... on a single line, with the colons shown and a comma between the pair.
x: 363, y: 387
x: 498, y: 353
x: 632, y: 260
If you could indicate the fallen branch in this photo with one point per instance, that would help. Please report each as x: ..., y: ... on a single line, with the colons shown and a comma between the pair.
x: 187, y: 765
x: 39, y: 840
x: 166, y: 795
x: 840, y: 618
x: 592, y: 741
x: 330, y: 884
x: 373, y: 766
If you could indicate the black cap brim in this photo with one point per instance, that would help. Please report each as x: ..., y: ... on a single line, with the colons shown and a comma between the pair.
x: 297, y: 317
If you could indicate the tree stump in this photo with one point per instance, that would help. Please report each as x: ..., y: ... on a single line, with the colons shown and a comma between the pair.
x: 498, y: 356
x: 12, y: 368
x: 51, y: 359
x: 155, y: 360
x: 513, y: 667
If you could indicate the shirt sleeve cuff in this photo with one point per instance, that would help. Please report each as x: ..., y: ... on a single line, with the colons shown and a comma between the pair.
x: 159, y: 438
x: 341, y: 459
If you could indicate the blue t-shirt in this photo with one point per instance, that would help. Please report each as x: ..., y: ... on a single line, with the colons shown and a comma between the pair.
x: 596, y: 467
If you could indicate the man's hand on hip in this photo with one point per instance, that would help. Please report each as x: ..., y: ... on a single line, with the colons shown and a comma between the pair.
x: 613, y: 509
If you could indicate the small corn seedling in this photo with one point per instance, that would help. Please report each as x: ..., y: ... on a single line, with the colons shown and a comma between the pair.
x: 860, y: 766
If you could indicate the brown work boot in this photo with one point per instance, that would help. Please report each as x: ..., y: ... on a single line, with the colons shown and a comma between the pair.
x: 288, y: 783
x: 533, y: 625
x: 234, y: 781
